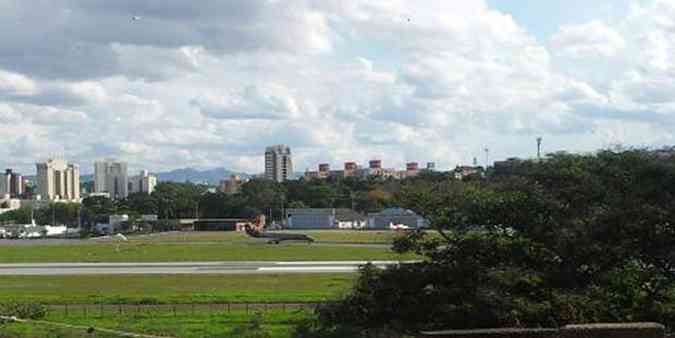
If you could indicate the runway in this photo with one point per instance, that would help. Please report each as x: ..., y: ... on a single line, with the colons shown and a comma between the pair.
x: 172, y: 268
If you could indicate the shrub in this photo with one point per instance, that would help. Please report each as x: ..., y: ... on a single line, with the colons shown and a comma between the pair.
x: 23, y: 310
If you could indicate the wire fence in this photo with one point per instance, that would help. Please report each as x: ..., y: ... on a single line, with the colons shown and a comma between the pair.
x: 103, y: 310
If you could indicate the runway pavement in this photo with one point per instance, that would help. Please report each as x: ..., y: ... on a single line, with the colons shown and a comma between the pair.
x: 223, y: 268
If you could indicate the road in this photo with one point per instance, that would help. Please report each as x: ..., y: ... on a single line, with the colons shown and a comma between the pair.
x: 224, y: 268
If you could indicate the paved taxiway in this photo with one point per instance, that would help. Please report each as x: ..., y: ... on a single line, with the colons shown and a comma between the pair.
x: 224, y: 268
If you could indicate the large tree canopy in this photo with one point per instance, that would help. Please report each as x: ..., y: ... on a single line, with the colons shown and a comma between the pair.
x: 573, y: 238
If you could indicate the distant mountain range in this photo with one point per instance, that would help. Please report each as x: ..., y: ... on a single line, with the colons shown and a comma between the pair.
x: 208, y: 176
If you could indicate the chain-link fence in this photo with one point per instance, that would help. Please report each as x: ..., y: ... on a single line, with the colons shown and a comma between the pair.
x: 102, y: 310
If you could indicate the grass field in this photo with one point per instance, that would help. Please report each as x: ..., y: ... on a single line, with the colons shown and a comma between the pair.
x: 337, y: 236
x: 182, y: 289
x: 43, y: 331
x: 279, y: 324
x: 171, y: 252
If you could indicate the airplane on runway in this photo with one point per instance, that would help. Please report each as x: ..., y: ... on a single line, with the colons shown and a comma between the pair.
x: 257, y: 230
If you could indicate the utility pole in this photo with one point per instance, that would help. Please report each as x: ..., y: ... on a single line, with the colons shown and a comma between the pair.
x: 539, y: 139
x: 79, y: 220
x: 283, y: 210
x: 487, y: 157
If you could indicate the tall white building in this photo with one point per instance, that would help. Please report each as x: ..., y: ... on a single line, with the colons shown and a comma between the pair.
x: 144, y: 183
x: 111, y: 177
x: 58, y: 180
x: 278, y: 163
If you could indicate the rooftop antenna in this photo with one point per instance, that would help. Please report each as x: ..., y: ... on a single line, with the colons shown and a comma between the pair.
x: 539, y: 139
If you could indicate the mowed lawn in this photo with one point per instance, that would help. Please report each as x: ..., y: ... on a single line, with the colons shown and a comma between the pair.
x: 21, y: 330
x: 337, y: 236
x: 185, y: 325
x: 174, y: 289
x: 142, y: 251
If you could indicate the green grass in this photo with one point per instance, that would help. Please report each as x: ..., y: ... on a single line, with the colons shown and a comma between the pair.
x: 183, y: 289
x: 20, y: 330
x: 163, y: 252
x: 341, y: 236
x: 279, y: 324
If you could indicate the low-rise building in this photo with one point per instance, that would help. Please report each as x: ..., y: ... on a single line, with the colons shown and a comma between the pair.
x: 8, y: 204
x: 324, y: 218
x: 28, y: 231
x: 232, y: 185
x: 462, y: 172
x: 412, y: 169
x: 115, y: 223
x: 395, y: 218
x: 507, y: 167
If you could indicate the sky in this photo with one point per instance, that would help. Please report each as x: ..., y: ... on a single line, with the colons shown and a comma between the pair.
x: 166, y: 84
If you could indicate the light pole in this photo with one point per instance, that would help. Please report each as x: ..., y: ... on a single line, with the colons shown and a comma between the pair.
x: 487, y: 157
x: 539, y: 139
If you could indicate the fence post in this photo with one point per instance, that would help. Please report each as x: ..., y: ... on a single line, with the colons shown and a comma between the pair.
x: 174, y: 310
x: 228, y: 308
x: 84, y: 310
x: 193, y: 309
x: 119, y: 308
x: 283, y: 307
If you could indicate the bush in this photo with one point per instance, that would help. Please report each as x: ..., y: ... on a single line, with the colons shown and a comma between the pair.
x: 23, y: 310
x: 148, y: 301
x: 253, y: 329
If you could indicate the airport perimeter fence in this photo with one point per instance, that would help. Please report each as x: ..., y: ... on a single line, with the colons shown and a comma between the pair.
x: 103, y: 310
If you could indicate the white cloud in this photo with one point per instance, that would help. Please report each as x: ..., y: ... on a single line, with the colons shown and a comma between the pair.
x: 268, y: 102
x: 13, y: 84
x: 593, y: 39
x: 212, y: 83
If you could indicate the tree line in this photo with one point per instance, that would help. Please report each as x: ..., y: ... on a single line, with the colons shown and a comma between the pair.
x: 187, y: 200
x: 569, y: 239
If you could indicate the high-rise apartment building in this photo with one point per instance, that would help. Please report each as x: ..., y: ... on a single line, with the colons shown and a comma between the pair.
x: 143, y: 183
x: 278, y: 163
x: 11, y: 184
x: 111, y: 177
x: 58, y: 180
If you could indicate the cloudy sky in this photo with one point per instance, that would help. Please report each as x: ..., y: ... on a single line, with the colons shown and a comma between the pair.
x: 167, y: 84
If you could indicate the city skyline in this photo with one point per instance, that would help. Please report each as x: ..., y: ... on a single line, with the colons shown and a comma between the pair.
x: 422, y: 81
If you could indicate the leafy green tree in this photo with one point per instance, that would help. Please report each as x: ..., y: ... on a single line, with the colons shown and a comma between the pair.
x: 58, y: 214
x: 143, y: 204
x: 213, y: 205
x: 96, y: 210
x: 297, y: 205
x: 18, y: 216
x: 262, y: 196
x: 574, y: 238
x: 177, y: 200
